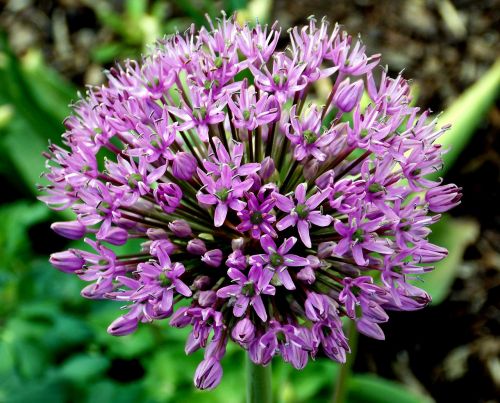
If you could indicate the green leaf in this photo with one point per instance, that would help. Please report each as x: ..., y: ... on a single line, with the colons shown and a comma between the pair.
x: 15, y: 220
x: 466, y: 114
x: 367, y: 388
x: 108, y: 392
x: 83, y: 368
x: 453, y: 234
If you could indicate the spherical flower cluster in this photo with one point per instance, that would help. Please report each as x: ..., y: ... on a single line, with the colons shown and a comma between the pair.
x: 264, y: 213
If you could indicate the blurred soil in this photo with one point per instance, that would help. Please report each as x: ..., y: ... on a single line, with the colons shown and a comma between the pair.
x: 451, y: 351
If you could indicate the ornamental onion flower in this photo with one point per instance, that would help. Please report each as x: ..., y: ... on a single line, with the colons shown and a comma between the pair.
x: 265, y: 214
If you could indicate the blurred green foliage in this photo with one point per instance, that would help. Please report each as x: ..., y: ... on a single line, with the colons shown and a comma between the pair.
x: 53, y: 343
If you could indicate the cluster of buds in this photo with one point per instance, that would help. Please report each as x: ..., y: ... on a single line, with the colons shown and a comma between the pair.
x: 265, y: 215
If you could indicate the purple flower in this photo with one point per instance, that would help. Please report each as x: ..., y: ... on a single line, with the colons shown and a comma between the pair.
x: 225, y: 192
x: 284, y: 79
x: 306, y: 135
x: 304, y: 213
x: 248, y: 290
x: 248, y: 112
x: 277, y: 260
x: 204, y: 140
x: 257, y: 217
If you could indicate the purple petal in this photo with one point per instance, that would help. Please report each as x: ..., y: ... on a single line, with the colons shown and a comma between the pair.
x: 316, y: 218
x: 283, y: 203
x: 259, y: 308
x: 300, y: 193
x: 286, y: 222
x: 285, y: 279
x: 241, y: 306
x: 268, y: 244
x: 220, y: 214
x: 303, y: 228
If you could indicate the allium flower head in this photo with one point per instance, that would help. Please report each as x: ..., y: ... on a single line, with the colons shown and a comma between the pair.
x: 265, y: 214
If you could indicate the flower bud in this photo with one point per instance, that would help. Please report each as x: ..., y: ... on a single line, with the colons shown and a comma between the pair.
x: 180, y: 228
x: 443, y: 198
x: 237, y: 260
x: 160, y: 246
x: 116, y: 236
x: 183, y: 166
x: 325, y: 179
x: 207, y: 298
x: 348, y: 95
x: 244, y: 331
x: 123, y: 325
x: 267, y: 168
x: 69, y: 229
x: 307, y: 275
x: 156, y: 233
x: 201, y: 282
x: 168, y: 196
x: 208, y: 374
x: 311, y: 168
x: 325, y: 249
x: 67, y: 261
x: 213, y: 257
x: 196, y: 247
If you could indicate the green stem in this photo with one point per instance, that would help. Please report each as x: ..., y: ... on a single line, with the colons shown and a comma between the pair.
x: 340, y: 392
x: 258, y: 383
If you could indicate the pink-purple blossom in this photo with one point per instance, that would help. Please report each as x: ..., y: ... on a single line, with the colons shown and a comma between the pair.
x: 263, y: 214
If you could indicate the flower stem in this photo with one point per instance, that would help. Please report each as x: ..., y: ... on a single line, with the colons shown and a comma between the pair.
x: 258, y: 383
x: 340, y: 391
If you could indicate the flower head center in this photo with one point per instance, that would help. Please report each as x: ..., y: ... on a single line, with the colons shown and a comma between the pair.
x: 248, y: 289
x: 375, y: 188
x: 164, y: 280
x: 310, y: 137
x: 276, y: 260
x: 256, y: 218
x: 358, y: 235
x: 133, y: 179
x: 222, y: 194
x: 302, y: 211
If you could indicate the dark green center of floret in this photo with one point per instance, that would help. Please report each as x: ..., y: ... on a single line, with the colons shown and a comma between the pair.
x: 310, y: 137
x: 86, y: 168
x: 281, y: 337
x: 406, y: 227
x: 256, y: 218
x: 103, y: 208
x: 337, y: 195
x: 246, y: 114
x: 218, y: 62
x: 416, y: 172
x: 164, y: 280
x: 279, y: 79
x: 358, y: 235
x: 375, y: 188
x: 248, y: 289
x: 302, y: 211
x: 202, y: 112
x: 363, y: 133
x: 133, y: 179
x: 222, y: 194
x: 155, y: 83
x: 276, y: 260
